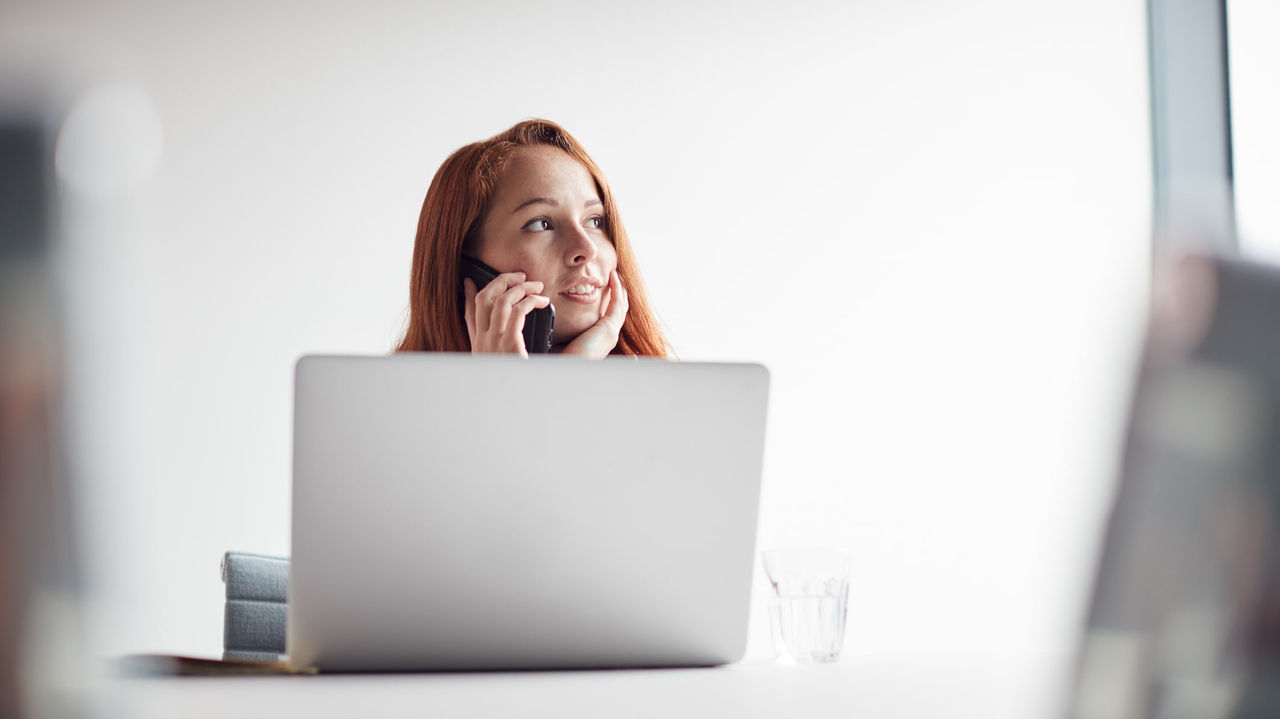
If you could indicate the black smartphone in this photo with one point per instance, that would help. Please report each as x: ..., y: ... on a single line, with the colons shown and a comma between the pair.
x: 539, y: 325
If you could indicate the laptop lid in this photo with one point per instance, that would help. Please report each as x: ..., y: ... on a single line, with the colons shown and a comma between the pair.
x: 453, y: 511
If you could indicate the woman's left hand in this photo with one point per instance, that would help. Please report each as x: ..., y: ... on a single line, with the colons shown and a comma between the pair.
x: 600, y: 339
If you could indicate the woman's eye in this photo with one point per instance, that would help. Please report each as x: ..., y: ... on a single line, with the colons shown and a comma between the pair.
x: 538, y: 225
x: 596, y: 222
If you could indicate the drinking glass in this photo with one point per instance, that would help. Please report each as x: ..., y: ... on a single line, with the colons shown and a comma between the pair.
x: 808, y: 602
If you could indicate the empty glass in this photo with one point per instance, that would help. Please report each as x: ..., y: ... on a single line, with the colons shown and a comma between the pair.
x: 808, y: 603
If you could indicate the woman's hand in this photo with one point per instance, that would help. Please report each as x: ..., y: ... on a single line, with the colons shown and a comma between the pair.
x: 495, y: 315
x: 600, y: 339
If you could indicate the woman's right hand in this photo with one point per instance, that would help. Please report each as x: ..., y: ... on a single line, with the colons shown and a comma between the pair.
x: 495, y: 315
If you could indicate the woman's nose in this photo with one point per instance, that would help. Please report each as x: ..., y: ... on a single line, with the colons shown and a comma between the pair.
x: 581, y: 249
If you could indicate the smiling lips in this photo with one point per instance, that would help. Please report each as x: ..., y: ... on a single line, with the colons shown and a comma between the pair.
x: 583, y: 292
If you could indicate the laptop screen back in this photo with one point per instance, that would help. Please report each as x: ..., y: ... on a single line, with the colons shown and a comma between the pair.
x: 459, y: 512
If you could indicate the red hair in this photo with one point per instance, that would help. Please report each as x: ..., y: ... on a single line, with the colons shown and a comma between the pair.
x: 456, y: 204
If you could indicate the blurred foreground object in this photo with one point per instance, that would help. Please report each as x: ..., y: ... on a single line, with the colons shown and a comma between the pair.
x: 1185, y: 616
x: 40, y: 657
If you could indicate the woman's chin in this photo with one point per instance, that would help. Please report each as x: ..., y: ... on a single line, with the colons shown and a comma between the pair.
x: 571, y: 322
x: 561, y: 339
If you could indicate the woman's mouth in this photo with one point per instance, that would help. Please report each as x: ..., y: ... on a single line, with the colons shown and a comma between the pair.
x: 583, y: 293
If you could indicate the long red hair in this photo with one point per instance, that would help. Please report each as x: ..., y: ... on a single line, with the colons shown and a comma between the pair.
x: 456, y: 204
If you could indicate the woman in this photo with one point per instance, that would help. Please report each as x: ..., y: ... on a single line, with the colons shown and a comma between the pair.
x: 532, y: 204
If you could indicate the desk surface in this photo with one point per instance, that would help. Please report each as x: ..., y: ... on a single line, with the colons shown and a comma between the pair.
x: 902, y: 687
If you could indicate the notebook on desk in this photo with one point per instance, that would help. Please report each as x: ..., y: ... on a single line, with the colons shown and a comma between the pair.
x: 456, y: 512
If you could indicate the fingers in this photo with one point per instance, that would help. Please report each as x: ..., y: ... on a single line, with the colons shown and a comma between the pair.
x: 469, y: 307
x: 519, y: 313
x: 527, y: 305
x: 498, y: 311
x: 606, y: 298
x: 487, y: 296
x: 599, y: 340
x: 616, y: 314
x: 504, y: 313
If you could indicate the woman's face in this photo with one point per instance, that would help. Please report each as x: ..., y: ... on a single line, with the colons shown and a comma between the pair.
x: 547, y: 221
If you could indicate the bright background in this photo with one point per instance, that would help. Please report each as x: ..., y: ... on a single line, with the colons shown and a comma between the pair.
x: 929, y: 219
x: 1254, y: 58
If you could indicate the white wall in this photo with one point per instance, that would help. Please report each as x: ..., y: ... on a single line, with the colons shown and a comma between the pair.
x: 1255, y: 113
x: 928, y: 218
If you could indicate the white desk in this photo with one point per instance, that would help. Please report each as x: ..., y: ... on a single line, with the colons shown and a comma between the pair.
x: 901, y: 687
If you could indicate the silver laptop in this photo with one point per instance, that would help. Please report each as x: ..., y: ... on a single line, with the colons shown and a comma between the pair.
x: 460, y: 512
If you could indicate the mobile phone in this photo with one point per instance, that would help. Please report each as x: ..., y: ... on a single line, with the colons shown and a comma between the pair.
x: 539, y: 325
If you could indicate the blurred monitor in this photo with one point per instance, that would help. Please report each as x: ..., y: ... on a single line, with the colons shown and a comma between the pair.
x: 38, y: 579
x: 1185, y: 615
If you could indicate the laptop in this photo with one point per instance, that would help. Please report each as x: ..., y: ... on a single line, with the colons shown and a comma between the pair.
x: 460, y: 512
